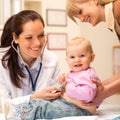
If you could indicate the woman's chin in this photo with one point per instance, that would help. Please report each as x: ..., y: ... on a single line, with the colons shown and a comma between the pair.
x: 93, y: 24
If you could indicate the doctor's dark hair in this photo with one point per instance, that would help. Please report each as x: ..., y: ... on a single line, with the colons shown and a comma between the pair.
x: 15, y: 25
x: 6, y: 36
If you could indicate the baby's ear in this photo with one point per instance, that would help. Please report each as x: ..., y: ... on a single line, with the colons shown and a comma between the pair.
x: 92, y: 57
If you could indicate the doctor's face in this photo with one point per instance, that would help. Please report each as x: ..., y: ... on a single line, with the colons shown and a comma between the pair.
x: 31, y: 40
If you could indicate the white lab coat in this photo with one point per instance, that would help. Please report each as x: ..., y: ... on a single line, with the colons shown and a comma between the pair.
x: 48, y: 76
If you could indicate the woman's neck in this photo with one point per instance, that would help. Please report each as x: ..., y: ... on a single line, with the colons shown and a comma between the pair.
x: 30, y: 62
x: 102, y: 13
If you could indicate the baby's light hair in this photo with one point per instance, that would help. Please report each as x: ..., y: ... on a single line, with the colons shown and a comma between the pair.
x: 80, y: 40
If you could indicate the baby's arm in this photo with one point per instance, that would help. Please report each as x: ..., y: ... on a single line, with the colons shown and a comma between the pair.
x: 62, y: 79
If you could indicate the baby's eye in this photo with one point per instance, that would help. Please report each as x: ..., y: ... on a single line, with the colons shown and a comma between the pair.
x: 72, y: 57
x: 82, y: 55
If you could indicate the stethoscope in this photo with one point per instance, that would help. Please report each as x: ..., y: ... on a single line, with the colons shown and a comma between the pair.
x: 31, y: 78
x: 33, y: 82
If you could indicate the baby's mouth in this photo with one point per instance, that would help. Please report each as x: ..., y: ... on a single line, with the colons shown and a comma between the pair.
x: 78, y: 65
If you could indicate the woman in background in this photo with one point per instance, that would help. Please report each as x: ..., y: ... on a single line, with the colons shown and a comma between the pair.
x: 94, y: 12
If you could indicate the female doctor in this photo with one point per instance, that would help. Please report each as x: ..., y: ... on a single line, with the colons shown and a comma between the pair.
x: 27, y: 69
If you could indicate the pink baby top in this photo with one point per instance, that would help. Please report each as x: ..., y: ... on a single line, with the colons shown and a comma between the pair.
x: 80, y: 86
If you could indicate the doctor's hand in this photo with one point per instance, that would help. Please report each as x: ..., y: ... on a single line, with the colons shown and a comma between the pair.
x: 49, y: 93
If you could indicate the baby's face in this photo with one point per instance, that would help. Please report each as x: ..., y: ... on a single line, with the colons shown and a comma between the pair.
x: 78, y: 58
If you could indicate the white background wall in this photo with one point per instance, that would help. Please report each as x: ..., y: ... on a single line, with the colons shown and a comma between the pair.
x: 102, y: 40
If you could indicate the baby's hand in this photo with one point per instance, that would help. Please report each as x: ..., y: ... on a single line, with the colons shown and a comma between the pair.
x: 62, y: 79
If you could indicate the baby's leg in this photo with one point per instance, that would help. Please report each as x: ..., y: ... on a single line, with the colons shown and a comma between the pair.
x: 42, y: 109
x: 32, y: 110
x: 56, y: 109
